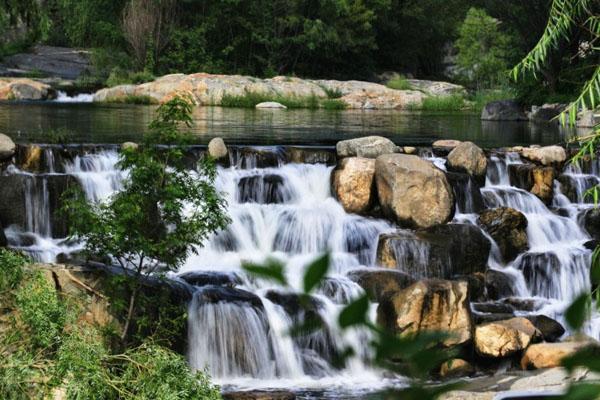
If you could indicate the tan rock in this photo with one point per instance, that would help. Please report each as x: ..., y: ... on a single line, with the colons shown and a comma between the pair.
x: 409, y: 149
x: 505, y: 338
x: 444, y: 146
x: 354, y: 184
x: 549, y: 355
x: 508, y: 227
x: 32, y: 159
x: 24, y: 89
x: 456, y: 368
x: 217, y: 148
x: 7, y: 147
x: 413, y: 191
x: 467, y: 157
x: 543, y: 183
x: 547, y: 155
x: 429, y: 305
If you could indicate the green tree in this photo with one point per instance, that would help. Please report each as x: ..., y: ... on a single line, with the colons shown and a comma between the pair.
x: 483, y: 50
x: 163, y: 211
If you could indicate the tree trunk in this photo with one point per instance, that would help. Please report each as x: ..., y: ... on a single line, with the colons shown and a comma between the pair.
x: 130, y: 310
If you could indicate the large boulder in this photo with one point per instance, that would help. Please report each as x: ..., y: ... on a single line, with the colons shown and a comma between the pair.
x: 443, y: 251
x: 550, y: 355
x: 508, y: 228
x: 380, y: 283
x: 467, y: 157
x: 354, y: 184
x: 550, y: 329
x: 412, y: 191
x: 366, y: 147
x: 503, y: 110
x: 24, y: 89
x: 429, y: 305
x: 7, y: 147
x: 498, y: 285
x: 505, y: 338
x: 547, y: 155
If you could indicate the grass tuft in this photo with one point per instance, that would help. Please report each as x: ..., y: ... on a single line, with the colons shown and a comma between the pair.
x: 133, y: 99
x: 442, y: 103
x: 399, y: 83
x: 251, y: 99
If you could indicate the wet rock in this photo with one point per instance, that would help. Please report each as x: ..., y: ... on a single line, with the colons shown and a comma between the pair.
x: 590, y: 220
x: 546, y: 112
x: 505, y: 338
x: 273, y: 105
x: 203, y: 278
x: 540, y: 271
x: 32, y: 158
x: 260, y: 395
x: 366, y: 147
x: 575, y: 188
x: 256, y: 157
x: 217, y: 148
x: 466, y: 192
x: 443, y: 251
x: 547, y: 155
x: 354, y: 184
x: 535, y: 179
x: 263, y: 189
x: 217, y: 294
x: 12, y: 200
x: 521, y: 304
x: 498, y: 284
x: 503, y: 110
x: 310, y: 155
x: 456, y: 368
x: 550, y: 355
x: 508, y: 228
x: 7, y: 147
x: 551, y: 329
x: 380, y: 283
x: 413, y: 191
x: 468, y: 158
x: 429, y: 305
x: 295, y: 305
x: 484, y: 318
x: 492, y: 308
x: 444, y: 146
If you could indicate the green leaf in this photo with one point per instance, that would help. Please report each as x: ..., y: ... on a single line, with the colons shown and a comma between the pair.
x: 583, y: 391
x: 587, y: 357
x: 578, y: 311
x: 595, y: 267
x: 272, y: 270
x: 315, y: 272
x: 354, y: 313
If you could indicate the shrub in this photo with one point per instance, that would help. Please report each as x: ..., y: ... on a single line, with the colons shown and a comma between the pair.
x: 332, y: 93
x: 399, y: 83
x: 41, y: 310
x: 333, y: 104
x: 11, y: 264
x: 119, y: 76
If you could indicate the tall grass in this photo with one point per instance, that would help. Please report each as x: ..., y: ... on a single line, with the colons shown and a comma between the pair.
x: 251, y: 99
x: 455, y: 102
x: 132, y: 99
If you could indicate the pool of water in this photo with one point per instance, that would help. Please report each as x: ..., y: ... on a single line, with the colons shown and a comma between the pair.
x: 111, y: 123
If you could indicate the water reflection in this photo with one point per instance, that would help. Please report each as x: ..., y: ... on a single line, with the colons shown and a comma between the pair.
x: 117, y: 123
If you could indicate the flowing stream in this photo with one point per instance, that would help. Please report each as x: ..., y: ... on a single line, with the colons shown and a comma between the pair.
x: 239, y: 326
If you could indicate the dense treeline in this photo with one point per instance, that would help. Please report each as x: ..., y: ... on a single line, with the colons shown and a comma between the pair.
x: 311, y: 38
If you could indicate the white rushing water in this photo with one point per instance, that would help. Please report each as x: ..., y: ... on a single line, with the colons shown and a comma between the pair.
x: 63, y: 97
x: 241, y: 334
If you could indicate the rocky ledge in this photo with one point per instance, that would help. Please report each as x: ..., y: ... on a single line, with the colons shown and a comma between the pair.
x: 25, y: 89
x: 209, y: 89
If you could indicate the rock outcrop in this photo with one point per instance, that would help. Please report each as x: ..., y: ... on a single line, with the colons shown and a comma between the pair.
x: 365, y: 147
x: 505, y: 338
x: 7, y: 147
x: 354, y: 184
x: 412, y: 191
x: 469, y: 158
x: 209, y: 89
x: 24, y: 89
x: 443, y: 251
x: 503, y: 110
x: 508, y: 228
x: 429, y: 305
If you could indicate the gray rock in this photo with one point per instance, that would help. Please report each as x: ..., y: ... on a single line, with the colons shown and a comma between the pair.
x: 498, y: 284
x: 217, y: 148
x: 61, y: 62
x: 469, y: 158
x: 271, y: 105
x: 503, y: 110
x: 508, y: 227
x: 586, y: 119
x: 367, y: 147
x: 379, y: 283
x: 546, y: 112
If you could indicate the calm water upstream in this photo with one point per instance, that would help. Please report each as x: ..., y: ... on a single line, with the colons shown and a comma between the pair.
x: 93, y: 123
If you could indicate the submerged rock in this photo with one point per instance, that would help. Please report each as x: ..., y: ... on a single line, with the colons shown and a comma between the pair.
x: 503, y: 110
x: 413, y: 191
x: 7, y: 147
x: 468, y: 158
x: 508, y: 228
x: 429, y: 305
x: 366, y: 147
x: 380, y: 283
x: 443, y: 251
x: 505, y: 338
x: 354, y: 184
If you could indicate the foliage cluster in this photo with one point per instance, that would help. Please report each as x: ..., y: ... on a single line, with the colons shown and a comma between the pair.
x: 46, y: 346
x: 399, y: 83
